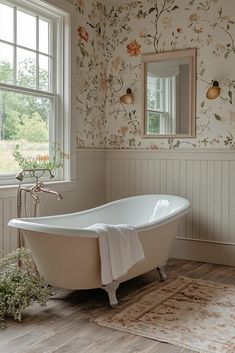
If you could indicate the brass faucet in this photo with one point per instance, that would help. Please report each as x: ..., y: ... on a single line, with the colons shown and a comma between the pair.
x: 39, y: 186
x: 34, y: 173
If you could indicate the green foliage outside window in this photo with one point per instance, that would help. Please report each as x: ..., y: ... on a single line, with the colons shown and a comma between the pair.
x: 153, y: 123
x: 18, y: 110
x: 24, y: 118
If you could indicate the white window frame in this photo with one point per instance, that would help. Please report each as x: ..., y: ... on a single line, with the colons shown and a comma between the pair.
x: 61, y: 85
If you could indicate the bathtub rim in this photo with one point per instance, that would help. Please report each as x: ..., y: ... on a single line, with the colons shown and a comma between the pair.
x: 31, y: 225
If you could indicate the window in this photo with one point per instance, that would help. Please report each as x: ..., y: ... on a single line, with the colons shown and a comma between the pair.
x: 161, y: 108
x: 34, y: 87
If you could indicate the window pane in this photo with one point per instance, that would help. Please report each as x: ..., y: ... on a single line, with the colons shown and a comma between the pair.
x: 157, y: 100
x: 26, y: 68
x: 26, y: 30
x: 153, y: 97
x: 24, y: 120
x: 153, y: 122
x: 6, y: 23
x: 6, y: 63
x: 158, y: 83
x: 43, y: 73
x: 43, y: 36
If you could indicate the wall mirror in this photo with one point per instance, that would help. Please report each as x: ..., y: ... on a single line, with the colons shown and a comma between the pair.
x: 169, y: 82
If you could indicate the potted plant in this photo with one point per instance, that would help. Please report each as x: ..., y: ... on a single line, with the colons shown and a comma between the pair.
x: 20, y: 285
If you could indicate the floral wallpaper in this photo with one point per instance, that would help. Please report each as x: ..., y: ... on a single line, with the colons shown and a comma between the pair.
x: 90, y: 74
x: 110, y: 40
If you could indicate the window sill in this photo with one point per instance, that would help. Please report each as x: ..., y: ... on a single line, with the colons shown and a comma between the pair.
x: 60, y: 186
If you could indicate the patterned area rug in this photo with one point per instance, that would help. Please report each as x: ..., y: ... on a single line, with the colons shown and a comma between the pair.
x: 190, y: 313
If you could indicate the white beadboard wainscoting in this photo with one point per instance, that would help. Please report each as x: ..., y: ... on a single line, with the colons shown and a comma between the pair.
x: 206, y: 178
x: 8, y: 236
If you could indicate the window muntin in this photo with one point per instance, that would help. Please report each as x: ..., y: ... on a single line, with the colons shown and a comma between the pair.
x: 29, y: 69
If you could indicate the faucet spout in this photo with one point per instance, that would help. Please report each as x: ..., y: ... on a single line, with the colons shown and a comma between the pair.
x: 59, y: 196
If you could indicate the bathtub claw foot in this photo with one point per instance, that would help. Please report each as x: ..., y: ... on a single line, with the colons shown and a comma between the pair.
x: 111, y: 290
x: 162, y: 274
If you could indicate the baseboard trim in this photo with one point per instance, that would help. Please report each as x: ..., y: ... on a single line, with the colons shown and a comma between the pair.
x: 222, y: 254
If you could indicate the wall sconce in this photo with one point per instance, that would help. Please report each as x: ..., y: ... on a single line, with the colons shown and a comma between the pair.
x: 127, y: 98
x: 214, y: 91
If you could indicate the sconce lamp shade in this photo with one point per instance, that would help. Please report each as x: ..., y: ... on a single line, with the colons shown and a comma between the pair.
x: 214, y: 91
x: 127, y: 98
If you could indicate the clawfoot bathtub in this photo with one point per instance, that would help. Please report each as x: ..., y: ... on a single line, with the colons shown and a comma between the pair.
x: 67, y: 255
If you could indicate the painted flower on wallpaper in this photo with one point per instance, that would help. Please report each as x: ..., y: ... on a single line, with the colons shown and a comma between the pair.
x: 179, y: 30
x: 79, y: 5
x: 116, y: 141
x: 133, y: 48
x: 209, y: 141
x: 82, y: 33
x: 209, y: 39
x: 121, y: 141
x: 153, y: 146
x: 199, y: 30
x: 219, y: 49
x: 229, y: 141
x: 123, y: 130
x: 194, y: 18
x: 143, y: 33
x: 117, y: 63
x: 103, y: 83
x: 167, y: 22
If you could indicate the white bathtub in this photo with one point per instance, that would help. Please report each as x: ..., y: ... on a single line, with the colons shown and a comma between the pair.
x: 67, y: 255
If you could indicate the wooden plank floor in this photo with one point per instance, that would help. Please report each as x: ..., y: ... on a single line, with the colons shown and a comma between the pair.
x: 67, y: 324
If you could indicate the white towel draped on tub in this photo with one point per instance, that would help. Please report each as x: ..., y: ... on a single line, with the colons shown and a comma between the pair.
x: 120, y: 249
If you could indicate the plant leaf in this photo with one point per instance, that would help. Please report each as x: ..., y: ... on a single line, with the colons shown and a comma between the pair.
x: 218, y: 117
x: 151, y: 9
